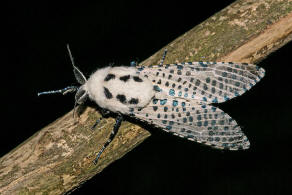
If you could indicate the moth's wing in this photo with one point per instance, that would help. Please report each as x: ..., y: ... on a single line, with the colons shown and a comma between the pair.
x: 211, y: 82
x: 197, y: 122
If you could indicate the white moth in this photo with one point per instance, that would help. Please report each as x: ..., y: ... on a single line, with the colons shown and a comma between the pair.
x: 176, y: 98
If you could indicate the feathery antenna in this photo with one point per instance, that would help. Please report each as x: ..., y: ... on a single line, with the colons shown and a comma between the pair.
x: 70, y: 55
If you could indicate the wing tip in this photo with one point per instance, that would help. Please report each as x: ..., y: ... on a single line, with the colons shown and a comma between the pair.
x: 242, y: 144
x: 261, y: 72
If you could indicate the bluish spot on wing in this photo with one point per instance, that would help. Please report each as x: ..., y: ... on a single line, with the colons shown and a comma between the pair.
x: 168, y: 127
x: 213, y: 108
x: 213, y: 122
x: 156, y: 88
x: 202, y: 64
x: 165, y: 109
x: 171, y: 92
x: 205, y: 123
x: 174, y: 102
x: 199, y: 123
x: 162, y: 102
x: 199, y: 117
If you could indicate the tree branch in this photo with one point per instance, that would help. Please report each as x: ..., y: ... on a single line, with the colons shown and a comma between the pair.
x: 58, y: 158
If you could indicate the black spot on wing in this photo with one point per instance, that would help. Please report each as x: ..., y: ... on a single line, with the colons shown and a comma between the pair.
x: 125, y: 78
x: 133, y: 101
x: 107, y: 93
x: 109, y: 77
x: 137, y: 79
x: 121, y: 98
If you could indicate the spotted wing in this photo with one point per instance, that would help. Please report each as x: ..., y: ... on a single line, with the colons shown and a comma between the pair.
x: 197, y: 122
x: 211, y: 82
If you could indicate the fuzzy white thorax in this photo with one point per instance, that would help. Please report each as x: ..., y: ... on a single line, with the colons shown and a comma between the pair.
x: 130, y: 89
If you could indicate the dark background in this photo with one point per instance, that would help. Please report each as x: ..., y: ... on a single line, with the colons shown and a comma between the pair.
x: 100, y: 33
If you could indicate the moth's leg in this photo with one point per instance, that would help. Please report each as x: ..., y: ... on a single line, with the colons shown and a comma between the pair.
x: 64, y: 91
x: 119, y: 120
x: 96, y: 123
x: 163, y: 57
x: 104, y: 113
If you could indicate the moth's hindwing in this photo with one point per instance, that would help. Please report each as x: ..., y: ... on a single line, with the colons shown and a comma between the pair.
x: 194, y: 121
x: 210, y: 82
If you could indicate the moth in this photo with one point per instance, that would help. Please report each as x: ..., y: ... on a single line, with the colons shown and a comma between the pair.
x: 176, y: 98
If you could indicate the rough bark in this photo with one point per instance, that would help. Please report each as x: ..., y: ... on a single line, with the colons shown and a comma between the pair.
x: 58, y: 158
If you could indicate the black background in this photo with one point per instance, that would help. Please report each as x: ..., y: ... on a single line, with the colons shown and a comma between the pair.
x: 104, y: 32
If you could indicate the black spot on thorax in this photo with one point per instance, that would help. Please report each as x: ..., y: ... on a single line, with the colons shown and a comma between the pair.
x: 133, y: 101
x: 137, y: 79
x: 107, y: 93
x: 109, y: 77
x: 121, y: 98
x: 125, y: 78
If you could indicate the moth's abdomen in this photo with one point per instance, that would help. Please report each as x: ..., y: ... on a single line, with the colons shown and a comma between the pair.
x: 119, y: 89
